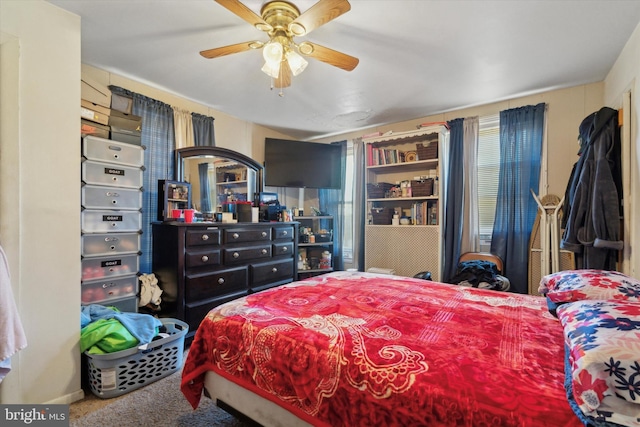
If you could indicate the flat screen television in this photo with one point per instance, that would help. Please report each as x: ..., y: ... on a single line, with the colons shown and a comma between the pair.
x: 302, y: 164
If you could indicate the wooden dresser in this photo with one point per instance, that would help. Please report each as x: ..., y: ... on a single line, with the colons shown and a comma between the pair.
x: 202, y: 265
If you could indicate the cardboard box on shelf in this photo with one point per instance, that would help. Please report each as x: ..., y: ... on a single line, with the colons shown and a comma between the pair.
x: 93, y: 128
x: 94, y: 112
x: 95, y: 92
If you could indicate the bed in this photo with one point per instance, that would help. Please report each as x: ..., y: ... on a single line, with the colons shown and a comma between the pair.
x: 365, y: 349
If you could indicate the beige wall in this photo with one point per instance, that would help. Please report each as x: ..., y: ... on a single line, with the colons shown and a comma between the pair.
x: 566, y: 109
x: 231, y: 132
x: 40, y: 218
x: 623, y: 78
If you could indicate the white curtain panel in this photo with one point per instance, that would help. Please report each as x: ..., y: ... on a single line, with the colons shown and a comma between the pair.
x: 470, y: 232
x: 183, y: 128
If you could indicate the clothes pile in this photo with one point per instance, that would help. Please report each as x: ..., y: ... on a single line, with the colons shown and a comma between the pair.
x: 480, y: 274
x: 150, y: 292
x: 107, y: 330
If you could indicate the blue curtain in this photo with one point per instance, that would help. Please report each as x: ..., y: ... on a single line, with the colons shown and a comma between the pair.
x: 205, y: 190
x: 359, y: 202
x: 203, y: 132
x: 158, y: 138
x: 332, y: 203
x: 454, y: 209
x: 521, y: 135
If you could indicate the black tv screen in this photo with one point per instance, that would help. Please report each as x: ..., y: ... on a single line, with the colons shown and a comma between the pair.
x: 302, y: 164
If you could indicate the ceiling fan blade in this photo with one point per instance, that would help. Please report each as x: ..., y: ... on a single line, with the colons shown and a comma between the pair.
x: 332, y: 57
x: 227, y: 50
x: 284, y: 76
x: 319, y: 14
x: 245, y: 13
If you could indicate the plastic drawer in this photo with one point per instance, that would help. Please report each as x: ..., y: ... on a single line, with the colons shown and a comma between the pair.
x: 106, y: 150
x: 111, y: 266
x: 103, y: 221
x: 103, y: 291
x: 99, y: 173
x: 97, y: 197
x: 110, y: 244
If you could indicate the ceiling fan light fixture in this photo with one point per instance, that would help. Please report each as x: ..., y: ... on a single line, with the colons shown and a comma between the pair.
x: 271, y: 70
x: 296, y: 62
x: 273, y: 52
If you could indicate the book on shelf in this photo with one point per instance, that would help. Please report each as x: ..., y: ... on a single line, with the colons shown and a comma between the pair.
x: 384, y: 156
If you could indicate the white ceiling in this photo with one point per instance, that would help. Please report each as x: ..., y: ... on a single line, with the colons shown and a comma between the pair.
x: 417, y: 58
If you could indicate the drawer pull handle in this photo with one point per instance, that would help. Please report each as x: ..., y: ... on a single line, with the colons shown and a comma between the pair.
x: 264, y: 234
x: 205, y: 237
x: 274, y: 270
x: 108, y: 285
x: 236, y: 254
x: 110, y: 239
x: 115, y: 148
x: 221, y: 281
x: 264, y: 251
x: 285, y: 232
x: 285, y: 249
x: 235, y: 235
x: 112, y: 194
x: 205, y: 258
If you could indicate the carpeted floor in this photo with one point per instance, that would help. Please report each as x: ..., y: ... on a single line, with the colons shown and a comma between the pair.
x: 158, y: 404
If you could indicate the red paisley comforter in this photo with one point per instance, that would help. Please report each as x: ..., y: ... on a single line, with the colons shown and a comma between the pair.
x: 360, y: 349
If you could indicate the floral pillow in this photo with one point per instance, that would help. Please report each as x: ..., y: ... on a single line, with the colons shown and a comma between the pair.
x: 588, y: 284
x: 603, y: 348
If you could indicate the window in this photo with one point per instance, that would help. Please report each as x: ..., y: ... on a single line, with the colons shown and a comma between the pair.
x: 347, y: 235
x: 488, y: 165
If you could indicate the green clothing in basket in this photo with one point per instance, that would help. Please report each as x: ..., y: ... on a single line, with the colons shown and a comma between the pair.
x: 106, y: 336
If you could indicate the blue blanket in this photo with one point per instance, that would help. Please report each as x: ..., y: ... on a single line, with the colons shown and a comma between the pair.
x: 142, y: 326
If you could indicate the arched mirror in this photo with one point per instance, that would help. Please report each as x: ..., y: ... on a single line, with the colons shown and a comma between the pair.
x: 218, y: 176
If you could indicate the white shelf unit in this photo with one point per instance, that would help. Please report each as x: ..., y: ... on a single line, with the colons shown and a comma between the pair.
x: 416, y: 247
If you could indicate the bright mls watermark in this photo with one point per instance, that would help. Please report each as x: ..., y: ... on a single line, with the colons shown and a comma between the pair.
x: 35, y: 415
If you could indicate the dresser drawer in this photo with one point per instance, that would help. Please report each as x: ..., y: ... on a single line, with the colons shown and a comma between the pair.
x: 271, y: 271
x: 239, y: 235
x: 104, y: 290
x: 110, y: 244
x: 111, y: 266
x: 239, y: 255
x: 285, y: 248
x: 220, y: 283
x: 202, y: 236
x: 97, y: 197
x: 195, y: 312
x: 106, y: 150
x: 202, y: 258
x: 109, y: 174
x: 105, y: 221
x: 283, y: 233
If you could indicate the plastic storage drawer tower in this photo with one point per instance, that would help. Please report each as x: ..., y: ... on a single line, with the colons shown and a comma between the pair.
x: 111, y: 222
x: 114, y: 374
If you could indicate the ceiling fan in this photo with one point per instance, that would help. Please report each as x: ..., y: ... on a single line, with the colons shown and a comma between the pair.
x: 282, y: 21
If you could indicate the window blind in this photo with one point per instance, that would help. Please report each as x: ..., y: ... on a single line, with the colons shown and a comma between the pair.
x: 488, y: 174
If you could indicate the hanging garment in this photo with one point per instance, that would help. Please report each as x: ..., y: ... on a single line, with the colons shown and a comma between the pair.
x: 12, y: 336
x: 593, y: 199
